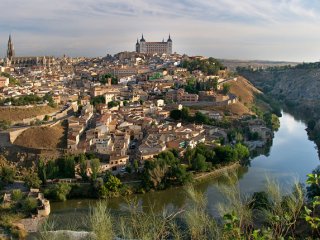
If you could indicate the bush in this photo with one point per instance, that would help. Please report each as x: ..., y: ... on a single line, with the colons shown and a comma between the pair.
x: 32, y: 180
x: 29, y: 205
x: 199, y: 163
x: 7, y: 174
x: 16, y: 195
x: 58, y: 192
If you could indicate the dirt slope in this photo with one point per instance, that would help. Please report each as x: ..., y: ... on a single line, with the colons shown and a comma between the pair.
x: 42, y: 137
x: 244, y: 90
x: 18, y: 114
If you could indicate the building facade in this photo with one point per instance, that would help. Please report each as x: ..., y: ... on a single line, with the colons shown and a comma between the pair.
x: 13, y: 61
x: 163, y: 47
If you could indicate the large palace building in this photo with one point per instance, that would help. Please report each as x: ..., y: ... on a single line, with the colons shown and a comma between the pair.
x: 163, y: 47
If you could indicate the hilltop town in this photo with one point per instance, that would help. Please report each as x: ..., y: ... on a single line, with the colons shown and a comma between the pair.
x: 117, y: 106
x: 67, y: 120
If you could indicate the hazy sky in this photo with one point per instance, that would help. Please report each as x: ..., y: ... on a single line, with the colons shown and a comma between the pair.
x: 236, y: 29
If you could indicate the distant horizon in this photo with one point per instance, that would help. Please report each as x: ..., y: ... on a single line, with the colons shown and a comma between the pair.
x: 112, y: 54
x: 285, y: 30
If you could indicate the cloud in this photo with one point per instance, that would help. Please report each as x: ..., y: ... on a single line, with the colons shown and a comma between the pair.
x: 247, y: 29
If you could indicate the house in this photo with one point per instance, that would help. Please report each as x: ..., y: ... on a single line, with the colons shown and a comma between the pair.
x: 4, y: 82
x: 118, y: 161
x: 181, y: 96
x: 152, y: 145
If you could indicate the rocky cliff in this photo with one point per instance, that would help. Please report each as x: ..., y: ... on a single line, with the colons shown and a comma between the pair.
x: 297, y: 88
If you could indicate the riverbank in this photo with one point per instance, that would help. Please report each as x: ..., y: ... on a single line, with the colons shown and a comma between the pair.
x: 217, y: 172
x: 278, y: 164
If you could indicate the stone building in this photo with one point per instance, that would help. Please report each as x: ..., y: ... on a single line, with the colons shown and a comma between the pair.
x: 13, y: 61
x: 163, y: 47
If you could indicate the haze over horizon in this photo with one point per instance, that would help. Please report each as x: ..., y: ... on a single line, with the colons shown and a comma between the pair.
x: 285, y: 30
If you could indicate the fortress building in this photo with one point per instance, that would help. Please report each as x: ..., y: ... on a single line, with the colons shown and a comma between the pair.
x: 163, y: 47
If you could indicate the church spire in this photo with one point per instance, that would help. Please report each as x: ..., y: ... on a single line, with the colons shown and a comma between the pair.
x: 169, y: 39
x: 142, y: 39
x: 10, y: 49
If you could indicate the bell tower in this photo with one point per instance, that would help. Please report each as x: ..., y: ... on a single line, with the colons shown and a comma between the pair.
x: 169, y: 45
x: 10, y: 49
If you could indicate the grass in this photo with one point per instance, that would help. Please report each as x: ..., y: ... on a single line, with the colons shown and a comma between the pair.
x: 239, y: 219
x: 14, y: 114
x: 8, y: 219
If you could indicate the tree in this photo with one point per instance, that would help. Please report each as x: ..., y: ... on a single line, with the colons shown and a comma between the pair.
x: 167, y: 157
x: 225, y: 154
x: 199, y: 163
x: 176, y: 114
x: 83, y: 167
x: 95, y: 166
x: 242, y: 151
x: 226, y: 88
x: 154, y: 174
x: 114, y: 81
x: 175, y: 152
x: 60, y: 191
x: 42, y: 171
x: 32, y: 180
x: 189, y: 155
x: 113, y: 184
x: 185, y: 113
x: 52, y: 170
x: 136, y: 165
x: 7, y: 174
x: 66, y: 166
x: 112, y: 104
x: 202, y: 118
x: 180, y: 175
x: 98, y: 100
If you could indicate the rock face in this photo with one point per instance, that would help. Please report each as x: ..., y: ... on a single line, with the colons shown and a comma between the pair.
x: 292, y: 84
x: 298, y: 87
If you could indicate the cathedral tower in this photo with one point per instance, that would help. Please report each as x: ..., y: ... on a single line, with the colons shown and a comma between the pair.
x: 10, y: 49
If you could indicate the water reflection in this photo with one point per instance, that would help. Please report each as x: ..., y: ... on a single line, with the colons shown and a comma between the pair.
x: 291, y: 156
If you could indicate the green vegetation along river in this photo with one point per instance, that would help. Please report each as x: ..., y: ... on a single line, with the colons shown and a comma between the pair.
x: 291, y: 157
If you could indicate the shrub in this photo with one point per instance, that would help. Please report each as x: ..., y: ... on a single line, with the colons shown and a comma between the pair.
x: 29, y: 205
x: 16, y: 195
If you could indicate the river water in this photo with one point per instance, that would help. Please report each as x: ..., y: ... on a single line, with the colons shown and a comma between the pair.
x: 291, y: 157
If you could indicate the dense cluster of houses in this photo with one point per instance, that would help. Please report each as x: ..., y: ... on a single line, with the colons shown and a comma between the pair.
x: 122, y: 102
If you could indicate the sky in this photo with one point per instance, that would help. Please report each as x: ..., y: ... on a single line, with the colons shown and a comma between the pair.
x: 280, y: 30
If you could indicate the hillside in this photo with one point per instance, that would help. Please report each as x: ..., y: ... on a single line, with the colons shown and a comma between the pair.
x: 296, y: 88
x: 42, y: 137
x: 14, y: 114
x: 246, y: 93
x: 293, y: 84
x: 244, y: 90
x: 299, y: 86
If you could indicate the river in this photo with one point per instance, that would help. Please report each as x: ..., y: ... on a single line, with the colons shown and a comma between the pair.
x: 291, y: 157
